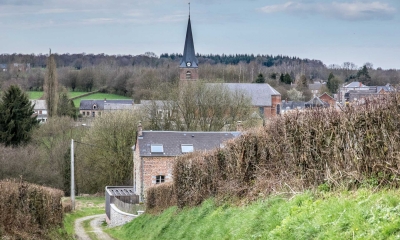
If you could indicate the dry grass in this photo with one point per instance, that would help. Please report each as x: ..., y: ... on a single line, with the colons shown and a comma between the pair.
x: 297, y: 151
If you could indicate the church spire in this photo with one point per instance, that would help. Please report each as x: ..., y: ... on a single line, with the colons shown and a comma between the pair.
x: 189, y: 55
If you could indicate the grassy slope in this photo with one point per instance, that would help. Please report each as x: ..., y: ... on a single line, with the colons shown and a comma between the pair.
x: 95, y: 96
x: 99, y: 96
x: 362, y: 214
x: 34, y: 95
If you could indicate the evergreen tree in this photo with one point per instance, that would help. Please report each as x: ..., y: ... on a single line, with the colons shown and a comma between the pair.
x: 51, y: 86
x: 282, y: 78
x: 333, y: 83
x: 260, y: 78
x: 16, y: 120
x: 287, y: 79
x: 66, y: 107
x: 363, y: 76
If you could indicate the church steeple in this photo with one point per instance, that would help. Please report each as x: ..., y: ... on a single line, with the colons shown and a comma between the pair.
x: 189, y: 63
x: 189, y: 55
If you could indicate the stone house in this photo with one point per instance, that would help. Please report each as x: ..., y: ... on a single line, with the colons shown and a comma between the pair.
x: 93, y: 108
x: 40, y: 109
x: 264, y: 98
x: 155, y: 152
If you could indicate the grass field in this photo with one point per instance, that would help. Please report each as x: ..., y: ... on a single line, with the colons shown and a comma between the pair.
x: 99, y: 96
x: 362, y: 214
x: 34, y: 95
x: 95, y: 96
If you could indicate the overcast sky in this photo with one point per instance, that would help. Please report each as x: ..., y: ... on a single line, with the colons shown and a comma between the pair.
x: 331, y: 31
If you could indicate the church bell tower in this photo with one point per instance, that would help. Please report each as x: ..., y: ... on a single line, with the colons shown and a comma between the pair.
x: 188, y: 67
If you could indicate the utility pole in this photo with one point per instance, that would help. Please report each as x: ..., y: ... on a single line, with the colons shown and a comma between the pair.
x: 72, y: 177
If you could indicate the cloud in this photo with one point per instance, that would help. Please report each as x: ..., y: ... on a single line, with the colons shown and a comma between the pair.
x: 354, y: 11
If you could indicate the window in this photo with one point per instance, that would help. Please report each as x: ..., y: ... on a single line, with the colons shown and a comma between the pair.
x: 94, y: 106
x: 93, y: 114
x: 40, y: 111
x: 83, y: 113
x: 188, y: 75
x: 157, y: 148
x: 160, y: 179
x: 87, y: 113
x: 278, y: 109
x: 261, y: 110
x: 187, y: 148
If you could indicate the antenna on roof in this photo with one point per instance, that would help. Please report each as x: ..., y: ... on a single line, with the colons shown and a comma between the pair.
x: 189, y: 9
x: 50, y: 51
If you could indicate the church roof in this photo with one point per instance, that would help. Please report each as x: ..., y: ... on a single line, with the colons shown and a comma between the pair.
x: 189, y: 54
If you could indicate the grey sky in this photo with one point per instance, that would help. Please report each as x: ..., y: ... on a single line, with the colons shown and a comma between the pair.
x: 331, y: 31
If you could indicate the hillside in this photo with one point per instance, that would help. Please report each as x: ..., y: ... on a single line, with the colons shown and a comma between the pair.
x: 361, y: 214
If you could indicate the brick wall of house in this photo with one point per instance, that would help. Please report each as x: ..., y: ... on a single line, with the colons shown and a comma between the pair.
x: 153, y: 166
x: 147, y: 168
x: 271, y: 111
x: 194, y: 71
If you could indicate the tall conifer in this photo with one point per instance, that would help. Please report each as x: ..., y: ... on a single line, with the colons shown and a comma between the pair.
x: 51, y: 86
x: 16, y: 120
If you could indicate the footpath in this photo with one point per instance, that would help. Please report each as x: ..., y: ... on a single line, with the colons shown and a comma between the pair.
x: 95, y: 223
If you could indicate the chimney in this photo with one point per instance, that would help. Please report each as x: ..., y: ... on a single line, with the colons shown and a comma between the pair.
x: 239, y: 126
x: 140, y: 130
x: 360, y: 84
x: 105, y: 99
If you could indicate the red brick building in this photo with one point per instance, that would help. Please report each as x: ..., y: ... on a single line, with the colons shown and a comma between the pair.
x: 155, y: 152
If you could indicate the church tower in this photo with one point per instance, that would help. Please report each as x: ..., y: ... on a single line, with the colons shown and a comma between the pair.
x: 188, y: 67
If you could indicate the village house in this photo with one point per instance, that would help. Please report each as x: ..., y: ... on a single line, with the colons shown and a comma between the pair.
x: 93, y: 108
x: 40, y: 110
x: 356, y: 91
x: 156, y: 151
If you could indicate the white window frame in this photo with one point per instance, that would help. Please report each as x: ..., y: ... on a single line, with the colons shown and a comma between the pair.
x: 185, y: 146
x: 154, y: 148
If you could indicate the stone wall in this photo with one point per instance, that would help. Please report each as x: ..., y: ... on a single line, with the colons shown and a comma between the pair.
x: 118, y: 217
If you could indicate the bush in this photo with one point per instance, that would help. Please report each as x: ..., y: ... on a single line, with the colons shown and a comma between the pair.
x: 28, y: 211
x: 298, y: 151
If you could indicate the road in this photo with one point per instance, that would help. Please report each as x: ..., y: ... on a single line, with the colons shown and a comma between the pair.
x: 95, y: 223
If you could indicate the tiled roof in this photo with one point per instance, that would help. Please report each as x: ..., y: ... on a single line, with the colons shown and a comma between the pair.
x: 172, y: 141
x: 260, y: 93
x: 88, y: 104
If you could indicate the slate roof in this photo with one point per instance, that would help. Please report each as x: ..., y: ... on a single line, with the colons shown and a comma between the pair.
x: 189, y: 55
x: 316, y: 102
x: 315, y: 86
x: 172, y: 141
x: 39, y: 104
x: 260, y: 93
x: 354, y: 85
x: 88, y: 104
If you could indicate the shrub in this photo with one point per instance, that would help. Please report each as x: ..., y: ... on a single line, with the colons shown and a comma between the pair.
x: 298, y: 151
x: 28, y: 211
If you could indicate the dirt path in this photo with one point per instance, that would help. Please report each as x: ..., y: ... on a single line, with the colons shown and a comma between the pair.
x: 95, y: 223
